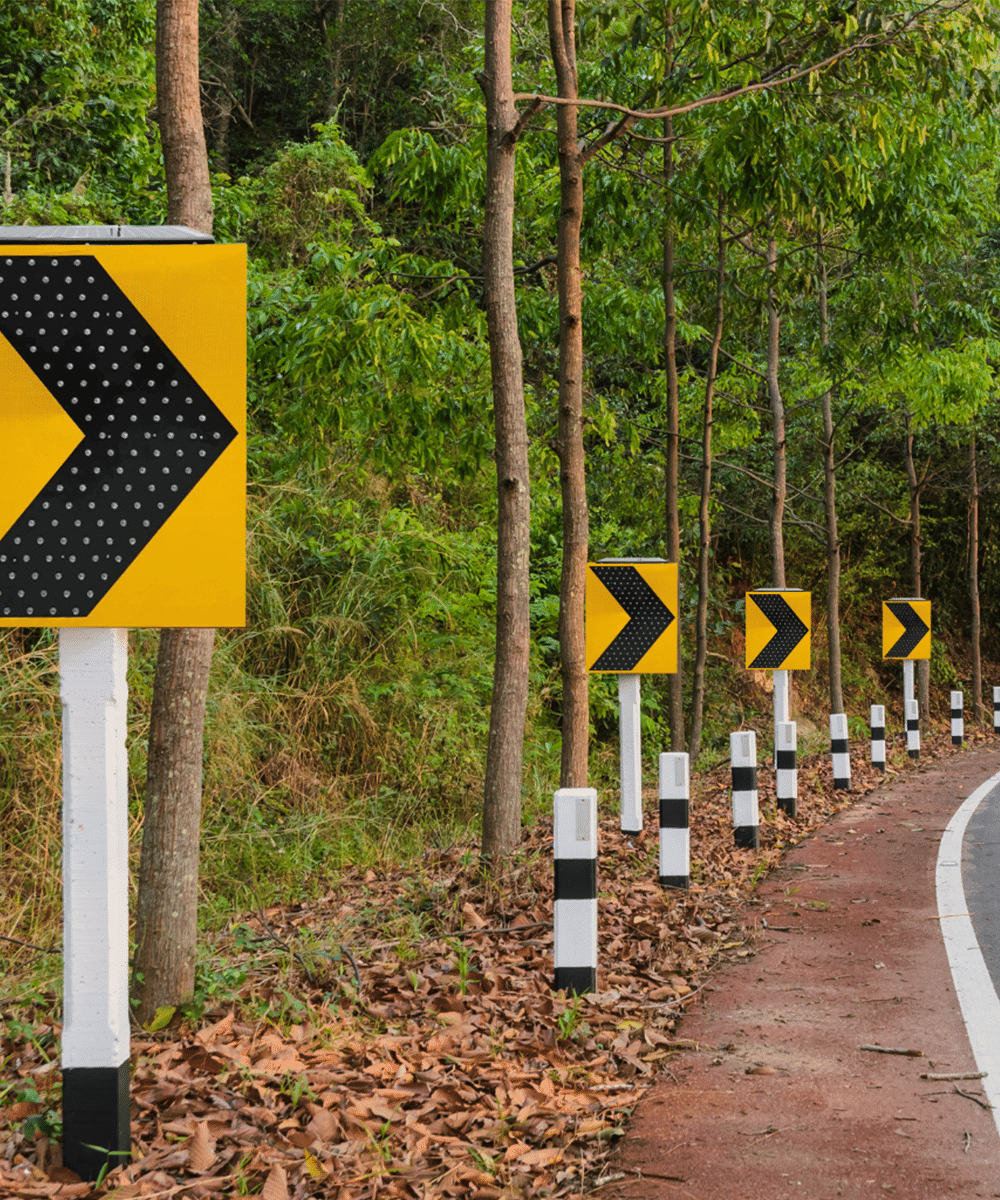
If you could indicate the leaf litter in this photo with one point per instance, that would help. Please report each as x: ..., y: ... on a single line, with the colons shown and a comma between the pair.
x: 399, y: 1037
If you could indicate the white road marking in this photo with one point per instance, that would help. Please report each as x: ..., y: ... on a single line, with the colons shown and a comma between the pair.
x: 973, y: 985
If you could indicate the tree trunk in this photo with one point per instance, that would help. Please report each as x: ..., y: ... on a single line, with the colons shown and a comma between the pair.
x: 777, y: 423
x: 502, y: 795
x: 672, y: 466
x: 830, y: 505
x: 975, y: 630
x: 166, y: 913
x: 178, y: 107
x: 167, y: 907
x: 572, y: 477
x: 225, y: 70
x: 916, y: 487
x: 704, y: 518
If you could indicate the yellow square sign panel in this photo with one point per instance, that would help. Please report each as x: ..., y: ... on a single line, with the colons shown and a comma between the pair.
x: 123, y: 427
x: 906, y: 628
x: 779, y: 625
x: 631, y: 625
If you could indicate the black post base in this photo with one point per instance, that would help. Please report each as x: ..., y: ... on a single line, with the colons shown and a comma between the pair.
x: 578, y: 980
x: 746, y: 837
x: 96, y: 1119
x: 789, y: 805
x: 675, y: 881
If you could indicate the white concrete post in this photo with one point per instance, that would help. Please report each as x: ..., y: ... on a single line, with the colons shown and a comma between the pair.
x: 675, y: 821
x: 996, y: 710
x: 908, y: 691
x: 840, y: 752
x: 95, y: 1035
x: 574, y: 911
x: 912, y: 728
x: 878, y: 737
x: 786, y: 768
x: 746, y: 815
x: 957, y: 718
x: 782, y: 682
x: 630, y: 733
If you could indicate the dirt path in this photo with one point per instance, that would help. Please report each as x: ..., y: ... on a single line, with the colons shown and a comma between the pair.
x: 778, y: 1100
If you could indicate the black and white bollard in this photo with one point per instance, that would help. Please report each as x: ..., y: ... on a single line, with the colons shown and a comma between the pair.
x: 786, y: 771
x: 957, y: 718
x: 996, y: 710
x: 675, y: 821
x: 746, y: 817
x: 912, y: 708
x: 574, y: 846
x: 878, y: 737
x: 840, y: 752
x: 95, y: 1034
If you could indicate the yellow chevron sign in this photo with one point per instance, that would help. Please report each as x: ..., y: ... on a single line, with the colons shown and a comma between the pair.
x: 631, y: 626
x: 906, y: 628
x: 779, y: 624
x: 122, y: 418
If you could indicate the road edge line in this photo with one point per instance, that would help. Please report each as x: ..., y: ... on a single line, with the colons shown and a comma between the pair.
x: 974, y: 988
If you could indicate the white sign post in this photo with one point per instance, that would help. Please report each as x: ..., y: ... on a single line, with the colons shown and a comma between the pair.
x: 95, y: 1036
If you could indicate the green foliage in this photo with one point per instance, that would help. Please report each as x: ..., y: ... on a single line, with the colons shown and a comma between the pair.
x: 76, y: 83
x: 313, y: 192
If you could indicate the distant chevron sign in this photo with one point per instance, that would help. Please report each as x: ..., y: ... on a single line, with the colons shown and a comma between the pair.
x: 121, y: 428
x: 778, y: 634
x: 631, y: 624
x: 906, y: 628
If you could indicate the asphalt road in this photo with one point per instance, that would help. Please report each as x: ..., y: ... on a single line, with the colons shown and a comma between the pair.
x: 981, y: 878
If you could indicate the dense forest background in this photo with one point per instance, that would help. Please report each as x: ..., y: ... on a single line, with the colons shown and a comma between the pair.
x: 833, y: 244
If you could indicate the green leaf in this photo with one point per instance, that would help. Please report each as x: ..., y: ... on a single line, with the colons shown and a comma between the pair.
x: 161, y: 1018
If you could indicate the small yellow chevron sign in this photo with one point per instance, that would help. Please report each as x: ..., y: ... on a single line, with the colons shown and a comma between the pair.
x: 906, y: 628
x: 631, y: 626
x: 779, y: 623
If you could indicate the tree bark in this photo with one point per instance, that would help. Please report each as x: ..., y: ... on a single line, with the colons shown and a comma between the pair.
x: 178, y: 108
x: 672, y: 464
x: 830, y: 505
x: 569, y: 443
x: 167, y: 906
x: 704, y: 514
x: 916, y: 486
x: 975, y: 631
x: 780, y: 486
x: 502, y: 795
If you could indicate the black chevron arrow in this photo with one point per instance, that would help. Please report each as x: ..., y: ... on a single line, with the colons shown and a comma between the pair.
x: 914, y: 629
x: 790, y: 629
x: 150, y: 434
x: 648, y: 618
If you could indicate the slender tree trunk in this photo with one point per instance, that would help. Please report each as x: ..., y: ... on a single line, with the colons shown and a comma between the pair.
x: 915, y: 488
x: 780, y: 487
x: 672, y: 466
x: 178, y: 107
x: 975, y: 630
x: 572, y: 477
x: 502, y: 794
x: 923, y: 671
x: 830, y: 505
x: 167, y: 905
x: 704, y: 516
x: 225, y: 56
